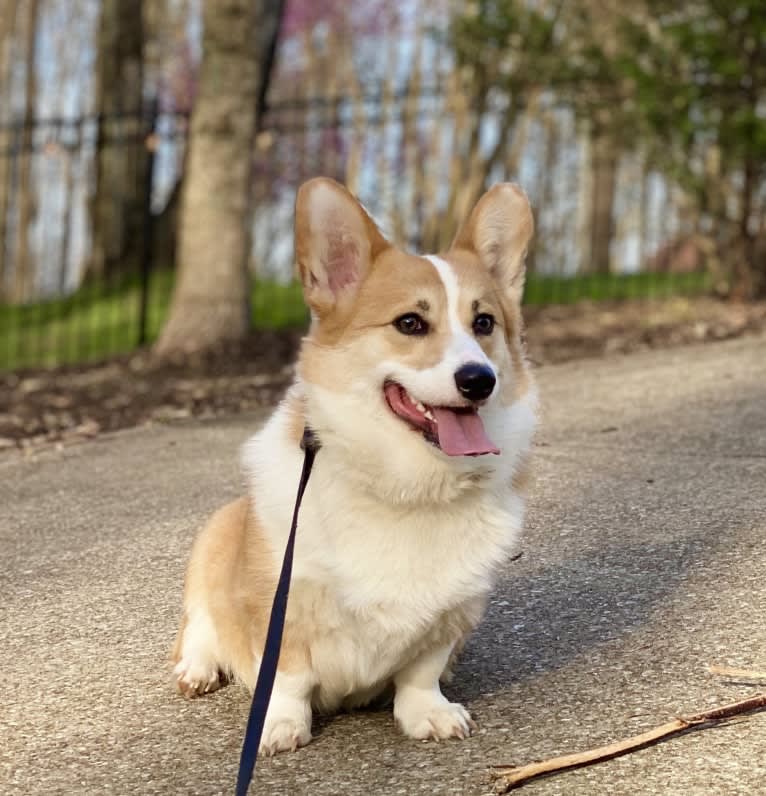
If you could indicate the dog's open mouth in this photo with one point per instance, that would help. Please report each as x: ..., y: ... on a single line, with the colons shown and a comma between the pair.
x: 457, y: 431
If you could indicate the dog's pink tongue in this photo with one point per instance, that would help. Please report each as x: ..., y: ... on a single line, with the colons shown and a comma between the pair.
x: 462, y: 433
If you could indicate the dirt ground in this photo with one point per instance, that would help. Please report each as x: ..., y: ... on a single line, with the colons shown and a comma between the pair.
x: 72, y: 403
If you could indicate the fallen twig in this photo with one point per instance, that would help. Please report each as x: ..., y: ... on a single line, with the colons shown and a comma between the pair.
x: 509, y: 777
x: 741, y: 674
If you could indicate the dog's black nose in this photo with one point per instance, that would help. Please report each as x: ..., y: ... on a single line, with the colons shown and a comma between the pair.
x: 475, y: 381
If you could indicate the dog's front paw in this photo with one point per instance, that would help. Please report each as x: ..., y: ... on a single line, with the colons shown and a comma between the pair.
x: 288, y: 721
x: 429, y: 716
x: 284, y: 734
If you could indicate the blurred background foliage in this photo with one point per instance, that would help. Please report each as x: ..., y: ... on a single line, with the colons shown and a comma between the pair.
x: 150, y: 151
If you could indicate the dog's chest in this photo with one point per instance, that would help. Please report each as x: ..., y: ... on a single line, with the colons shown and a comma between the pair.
x: 380, y: 579
x: 353, y: 650
x: 407, y: 560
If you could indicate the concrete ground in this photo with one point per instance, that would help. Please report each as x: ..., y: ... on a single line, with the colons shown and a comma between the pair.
x: 643, y: 563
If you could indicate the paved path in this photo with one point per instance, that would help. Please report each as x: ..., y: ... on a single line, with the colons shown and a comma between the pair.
x: 643, y: 562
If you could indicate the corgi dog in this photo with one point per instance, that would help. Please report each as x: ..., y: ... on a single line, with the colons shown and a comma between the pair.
x: 413, y: 378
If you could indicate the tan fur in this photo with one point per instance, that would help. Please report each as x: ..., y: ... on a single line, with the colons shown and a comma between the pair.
x: 356, y: 235
x: 458, y: 626
x: 476, y: 280
x: 175, y: 654
x: 386, y: 294
x: 234, y: 571
x: 522, y: 478
x: 395, y: 283
x: 491, y: 235
x: 295, y: 402
x: 357, y: 284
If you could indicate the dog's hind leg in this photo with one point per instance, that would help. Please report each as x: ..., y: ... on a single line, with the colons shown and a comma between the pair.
x: 197, y: 668
x: 210, y: 641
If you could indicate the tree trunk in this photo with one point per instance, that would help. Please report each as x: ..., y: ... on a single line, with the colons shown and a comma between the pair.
x: 23, y: 261
x: 166, y: 229
x: 7, y: 27
x: 584, y: 194
x: 603, y: 161
x: 211, y: 298
x: 747, y: 275
x: 546, y: 243
x: 643, y: 211
x: 117, y: 211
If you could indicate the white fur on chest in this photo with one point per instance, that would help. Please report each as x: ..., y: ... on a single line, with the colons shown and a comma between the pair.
x: 373, y: 577
x: 388, y: 577
x: 422, y: 558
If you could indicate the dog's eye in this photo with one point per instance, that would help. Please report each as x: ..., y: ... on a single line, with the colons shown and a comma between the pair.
x: 411, y: 323
x: 483, y: 323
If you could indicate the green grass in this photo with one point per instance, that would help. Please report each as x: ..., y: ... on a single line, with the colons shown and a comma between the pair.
x: 100, y: 321
x: 603, y: 287
x: 277, y: 306
x: 95, y: 322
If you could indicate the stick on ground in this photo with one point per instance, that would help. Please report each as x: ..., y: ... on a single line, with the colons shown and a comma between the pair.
x: 509, y: 777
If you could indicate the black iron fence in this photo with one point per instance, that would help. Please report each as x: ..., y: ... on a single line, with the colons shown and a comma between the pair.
x: 89, y: 208
x: 80, y: 204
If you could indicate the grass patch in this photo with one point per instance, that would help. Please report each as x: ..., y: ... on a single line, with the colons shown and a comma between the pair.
x: 605, y: 287
x: 278, y: 306
x: 95, y: 322
x: 102, y: 320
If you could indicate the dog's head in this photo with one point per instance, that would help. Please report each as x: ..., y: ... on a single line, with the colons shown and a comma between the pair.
x: 413, y: 362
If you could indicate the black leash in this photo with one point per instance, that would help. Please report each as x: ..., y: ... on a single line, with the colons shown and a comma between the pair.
x: 268, y: 669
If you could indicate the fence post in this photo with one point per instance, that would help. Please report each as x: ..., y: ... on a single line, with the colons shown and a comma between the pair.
x: 150, y: 142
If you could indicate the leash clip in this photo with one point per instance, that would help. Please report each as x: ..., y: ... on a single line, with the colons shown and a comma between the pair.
x: 309, y: 440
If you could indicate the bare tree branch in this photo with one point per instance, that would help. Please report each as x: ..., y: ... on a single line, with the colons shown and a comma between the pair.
x: 510, y: 777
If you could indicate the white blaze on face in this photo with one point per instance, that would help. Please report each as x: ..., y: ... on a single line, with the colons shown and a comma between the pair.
x: 436, y: 385
x: 462, y: 347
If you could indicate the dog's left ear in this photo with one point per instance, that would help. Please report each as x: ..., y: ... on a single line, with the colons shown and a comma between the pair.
x: 498, y: 231
x: 336, y: 243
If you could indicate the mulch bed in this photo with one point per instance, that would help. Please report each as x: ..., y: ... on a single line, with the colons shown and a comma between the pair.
x: 72, y: 403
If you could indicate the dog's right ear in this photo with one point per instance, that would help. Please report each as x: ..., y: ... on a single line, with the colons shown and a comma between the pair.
x: 335, y: 244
